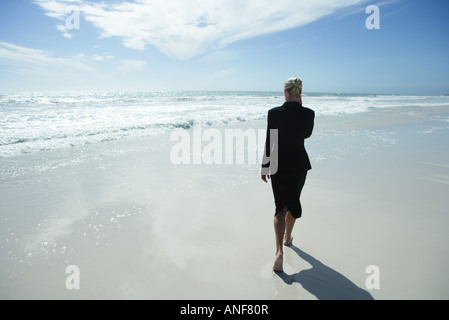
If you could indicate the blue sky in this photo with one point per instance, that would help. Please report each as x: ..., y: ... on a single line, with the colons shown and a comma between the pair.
x: 163, y: 45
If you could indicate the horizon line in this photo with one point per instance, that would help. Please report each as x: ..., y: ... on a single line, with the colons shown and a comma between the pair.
x: 280, y: 92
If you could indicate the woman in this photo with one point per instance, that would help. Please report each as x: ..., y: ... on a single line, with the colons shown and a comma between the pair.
x: 293, y: 123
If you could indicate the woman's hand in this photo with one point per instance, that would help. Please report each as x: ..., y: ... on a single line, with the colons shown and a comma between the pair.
x: 265, y: 178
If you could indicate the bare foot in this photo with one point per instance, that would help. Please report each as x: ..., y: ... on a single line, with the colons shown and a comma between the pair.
x: 277, y: 267
x: 288, y: 242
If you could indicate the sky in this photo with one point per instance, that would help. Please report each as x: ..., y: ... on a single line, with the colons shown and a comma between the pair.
x: 236, y: 45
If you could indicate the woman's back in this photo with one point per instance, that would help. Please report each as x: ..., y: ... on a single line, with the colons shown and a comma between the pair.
x: 293, y: 123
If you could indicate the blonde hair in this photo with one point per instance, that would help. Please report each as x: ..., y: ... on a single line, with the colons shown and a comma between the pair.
x: 294, y: 87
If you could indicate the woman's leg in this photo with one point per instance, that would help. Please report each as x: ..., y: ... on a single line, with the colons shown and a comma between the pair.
x: 279, y: 230
x: 290, y: 223
x: 289, y: 218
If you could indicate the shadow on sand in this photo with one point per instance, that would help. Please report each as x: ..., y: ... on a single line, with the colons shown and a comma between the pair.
x: 323, y: 282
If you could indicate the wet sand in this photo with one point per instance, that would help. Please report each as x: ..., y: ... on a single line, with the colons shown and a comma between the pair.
x: 139, y: 227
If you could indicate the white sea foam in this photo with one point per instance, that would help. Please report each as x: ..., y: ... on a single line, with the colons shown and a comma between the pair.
x: 37, y: 121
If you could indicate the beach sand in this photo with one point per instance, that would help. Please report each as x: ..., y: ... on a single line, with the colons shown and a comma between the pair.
x: 139, y: 227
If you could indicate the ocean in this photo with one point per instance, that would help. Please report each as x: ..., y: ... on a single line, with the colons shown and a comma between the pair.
x: 87, y: 180
x: 33, y: 122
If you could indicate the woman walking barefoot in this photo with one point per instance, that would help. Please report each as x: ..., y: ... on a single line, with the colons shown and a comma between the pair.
x: 286, y: 162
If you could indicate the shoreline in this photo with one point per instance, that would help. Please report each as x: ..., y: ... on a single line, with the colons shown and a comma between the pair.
x: 139, y: 227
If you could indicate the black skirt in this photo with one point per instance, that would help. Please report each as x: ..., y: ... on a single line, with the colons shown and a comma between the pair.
x: 287, y: 191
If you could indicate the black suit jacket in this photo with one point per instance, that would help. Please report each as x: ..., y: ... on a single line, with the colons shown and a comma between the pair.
x: 285, y: 152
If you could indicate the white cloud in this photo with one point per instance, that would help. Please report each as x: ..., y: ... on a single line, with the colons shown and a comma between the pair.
x: 97, y: 57
x: 183, y: 29
x: 28, y: 57
x: 127, y: 66
x: 219, y: 56
x: 35, y: 58
x: 34, y: 68
x: 223, y: 74
x: 63, y: 29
